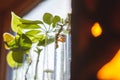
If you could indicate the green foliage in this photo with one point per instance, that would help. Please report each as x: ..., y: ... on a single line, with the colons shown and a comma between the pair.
x: 29, y: 26
x: 55, y: 20
x: 42, y: 41
x: 13, y: 45
x: 50, y: 19
x: 34, y: 35
x: 11, y: 62
x: 18, y: 56
x: 18, y: 24
x: 24, y: 42
x: 47, y: 18
x: 21, y: 42
x: 29, y: 32
x: 30, y: 21
x: 38, y: 50
x: 15, y: 22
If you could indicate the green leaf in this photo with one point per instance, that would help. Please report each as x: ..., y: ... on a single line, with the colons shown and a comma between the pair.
x: 18, y: 56
x: 18, y: 22
x: 19, y: 31
x: 32, y: 32
x: 36, y: 38
x: 29, y: 26
x: 7, y: 38
x: 24, y: 42
x: 13, y: 45
x: 47, y: 18
x: 24, y: 21
x: 42, y: 41
x: 15, y: 22
x: 11, y: 62
x: 56, y: 19
x: 38, y: 50
x: 33, y: 35
x: 20, y: 43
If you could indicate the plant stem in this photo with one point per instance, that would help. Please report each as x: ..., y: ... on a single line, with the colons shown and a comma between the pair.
x: 56, y: 36
x: 27, y: 70
x: 45, y: 27
x: 36, y: 67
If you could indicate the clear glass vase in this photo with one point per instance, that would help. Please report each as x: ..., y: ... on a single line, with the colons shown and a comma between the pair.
x: 62, y: 58
x: 48, y: 61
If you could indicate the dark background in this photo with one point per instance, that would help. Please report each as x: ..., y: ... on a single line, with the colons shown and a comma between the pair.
x: 89, y: 54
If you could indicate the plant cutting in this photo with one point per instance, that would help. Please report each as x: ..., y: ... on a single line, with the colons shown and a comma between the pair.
x: 28, y: 32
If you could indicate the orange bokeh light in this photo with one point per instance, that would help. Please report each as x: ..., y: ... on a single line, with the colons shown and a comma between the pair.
x: 111, y: 70
x: 96, y: 29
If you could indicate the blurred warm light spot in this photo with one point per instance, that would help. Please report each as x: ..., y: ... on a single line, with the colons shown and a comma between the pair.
x: 96, y: 29
x: 111, y: 70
